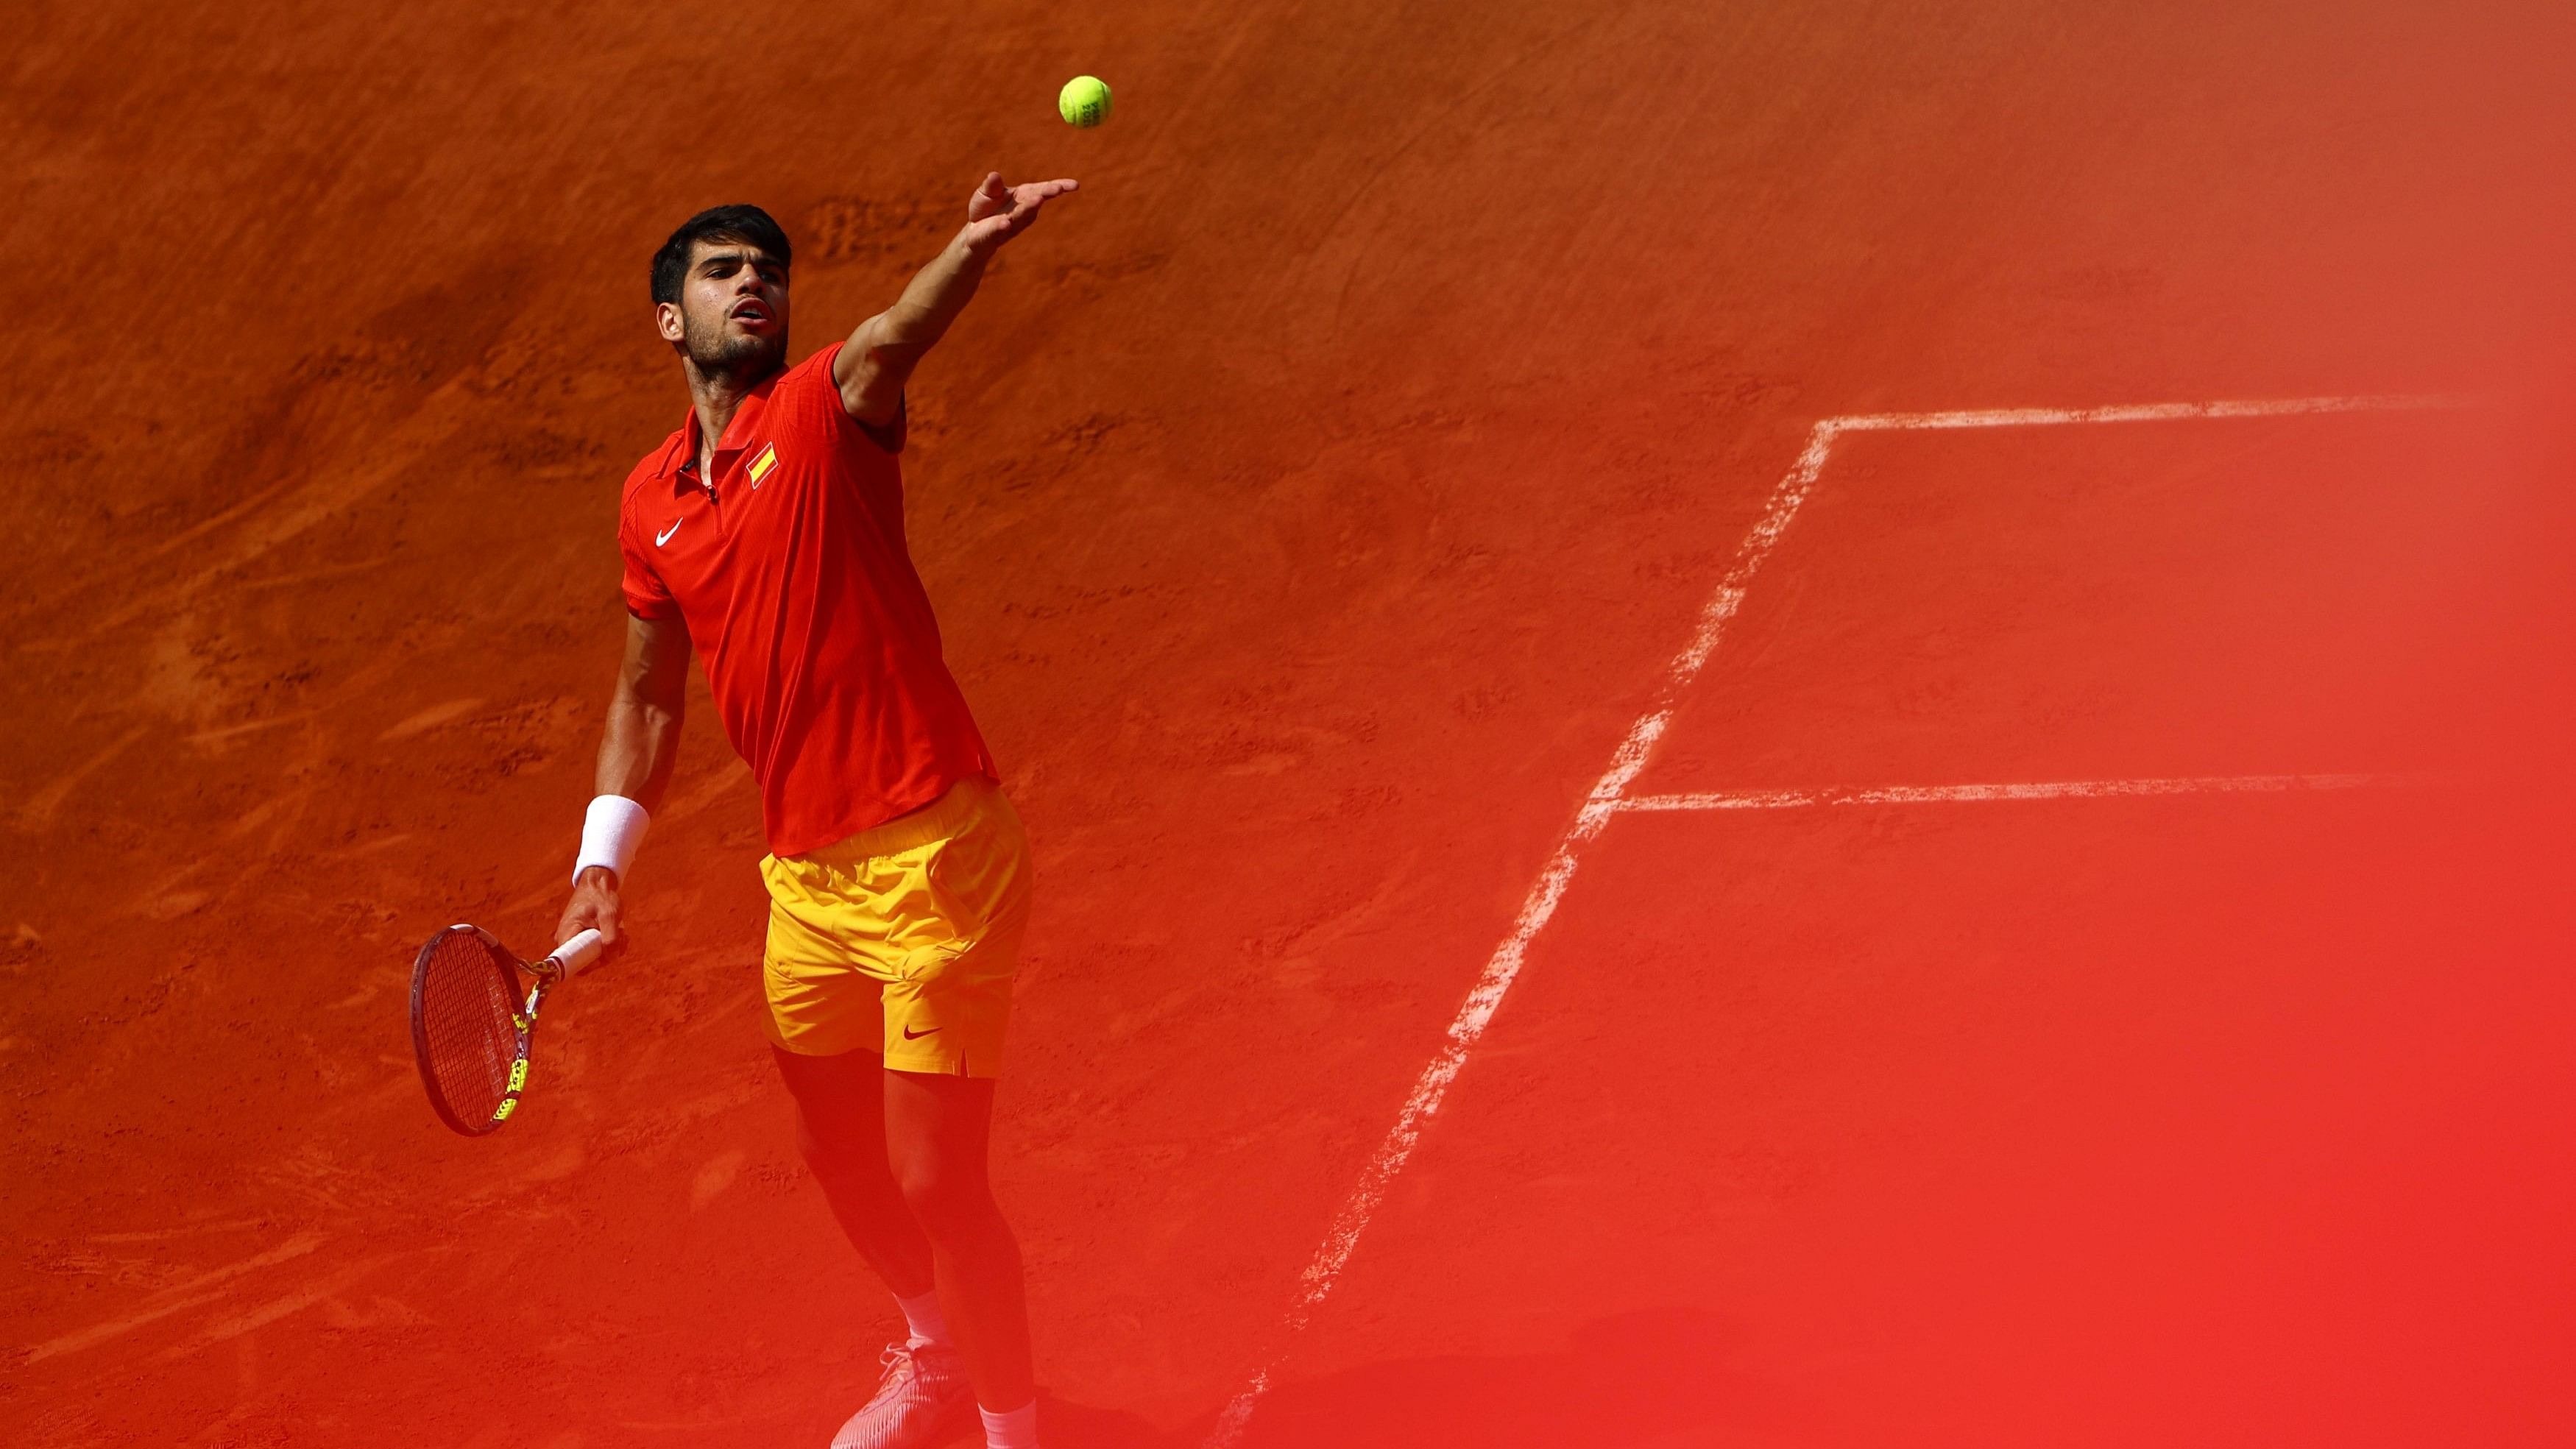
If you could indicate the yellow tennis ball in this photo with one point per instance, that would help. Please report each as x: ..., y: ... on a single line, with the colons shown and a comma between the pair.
x: 1084, y: 101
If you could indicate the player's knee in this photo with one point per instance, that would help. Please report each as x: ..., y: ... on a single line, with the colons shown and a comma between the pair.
x: 948, y: 1202
x: 926, y: 1188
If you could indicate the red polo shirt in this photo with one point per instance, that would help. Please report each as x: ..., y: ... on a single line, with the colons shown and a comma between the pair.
x: 791, y: 573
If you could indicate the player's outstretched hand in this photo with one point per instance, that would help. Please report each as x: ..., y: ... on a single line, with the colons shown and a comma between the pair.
x: 996, y: 212
x: 594, y: 906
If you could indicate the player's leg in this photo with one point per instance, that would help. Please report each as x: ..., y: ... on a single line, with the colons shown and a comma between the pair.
x: 827, y: 1026
x: 840, y: 1129
x: 937, y: 1131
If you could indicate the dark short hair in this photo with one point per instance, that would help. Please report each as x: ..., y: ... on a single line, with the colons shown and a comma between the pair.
x: 716, y: 223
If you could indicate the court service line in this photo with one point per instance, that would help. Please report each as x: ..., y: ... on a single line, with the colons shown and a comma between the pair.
x: 1607, y: 798
x: 2034, y: 790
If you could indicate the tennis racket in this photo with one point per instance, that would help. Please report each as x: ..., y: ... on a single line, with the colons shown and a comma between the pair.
x: 471, y: 1029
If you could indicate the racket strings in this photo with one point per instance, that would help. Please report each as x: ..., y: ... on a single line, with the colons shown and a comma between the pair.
x: 468, y: 1016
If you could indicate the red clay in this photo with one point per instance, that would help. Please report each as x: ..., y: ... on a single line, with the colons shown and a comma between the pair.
x: 1310, y: 505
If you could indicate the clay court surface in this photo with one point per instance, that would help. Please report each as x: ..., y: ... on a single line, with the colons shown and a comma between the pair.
x: 1318, y: 505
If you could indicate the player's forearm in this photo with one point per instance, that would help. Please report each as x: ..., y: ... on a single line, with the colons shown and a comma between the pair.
x: 929, y: 304
x: 640, y: 749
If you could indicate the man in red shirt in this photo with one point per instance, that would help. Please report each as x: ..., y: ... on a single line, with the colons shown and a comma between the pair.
x: 767, y: 535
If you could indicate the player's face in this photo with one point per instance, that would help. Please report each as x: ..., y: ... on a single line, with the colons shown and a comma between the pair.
x: 732, y: 313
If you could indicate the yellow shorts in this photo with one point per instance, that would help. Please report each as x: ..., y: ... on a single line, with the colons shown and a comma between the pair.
x: 903, y: 939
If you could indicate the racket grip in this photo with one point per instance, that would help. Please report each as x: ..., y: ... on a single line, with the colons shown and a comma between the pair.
x: 577, y: 955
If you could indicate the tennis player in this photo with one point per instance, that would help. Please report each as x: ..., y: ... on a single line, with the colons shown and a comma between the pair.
x: 767, y: 534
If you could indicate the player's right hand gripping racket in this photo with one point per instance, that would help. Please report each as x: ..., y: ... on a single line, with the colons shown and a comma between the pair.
x: 471, y: 1029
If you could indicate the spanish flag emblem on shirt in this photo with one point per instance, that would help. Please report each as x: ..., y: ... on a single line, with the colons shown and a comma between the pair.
x: 761, y: 465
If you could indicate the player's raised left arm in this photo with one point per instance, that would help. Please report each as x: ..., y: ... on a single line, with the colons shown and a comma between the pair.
x: 879, y: 360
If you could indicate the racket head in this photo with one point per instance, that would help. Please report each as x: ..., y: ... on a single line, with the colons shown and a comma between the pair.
x: 468, y: 1028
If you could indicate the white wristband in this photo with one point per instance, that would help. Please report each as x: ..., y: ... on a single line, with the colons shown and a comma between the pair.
x: 610, y: 835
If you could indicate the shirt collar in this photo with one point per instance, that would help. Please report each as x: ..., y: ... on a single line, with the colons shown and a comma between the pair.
x: 682, y: 450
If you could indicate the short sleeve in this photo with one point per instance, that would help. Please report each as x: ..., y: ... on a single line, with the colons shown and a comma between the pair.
x: 646, y: 596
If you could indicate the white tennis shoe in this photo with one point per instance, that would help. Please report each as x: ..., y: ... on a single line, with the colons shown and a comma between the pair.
x: 921, y: 1397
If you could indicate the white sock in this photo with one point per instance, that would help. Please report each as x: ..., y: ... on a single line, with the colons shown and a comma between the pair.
x: 1017, y: 1429
x: 929, y: 1325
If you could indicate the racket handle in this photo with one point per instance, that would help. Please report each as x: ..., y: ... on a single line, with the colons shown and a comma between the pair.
x: 577, y: 955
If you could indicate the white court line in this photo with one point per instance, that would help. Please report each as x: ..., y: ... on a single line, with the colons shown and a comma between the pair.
x: 2034, y: 790
x: 1607, y: 798
x: 2145, y: 412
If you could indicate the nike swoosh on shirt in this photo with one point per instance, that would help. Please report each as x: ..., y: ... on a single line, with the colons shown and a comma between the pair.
x: 664, y: 536
x: 910, y: 1035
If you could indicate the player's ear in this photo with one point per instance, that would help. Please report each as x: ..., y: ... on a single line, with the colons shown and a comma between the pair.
x: 667, y: 321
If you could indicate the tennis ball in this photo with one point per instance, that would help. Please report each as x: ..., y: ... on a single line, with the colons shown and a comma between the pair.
x: 1084, y: 101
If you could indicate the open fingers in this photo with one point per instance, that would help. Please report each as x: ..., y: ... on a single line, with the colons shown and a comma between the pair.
x: 1001, y: 211
x: 1025, y: 200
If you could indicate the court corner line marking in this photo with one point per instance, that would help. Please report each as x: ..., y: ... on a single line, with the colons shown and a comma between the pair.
x: 1608, y: 797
